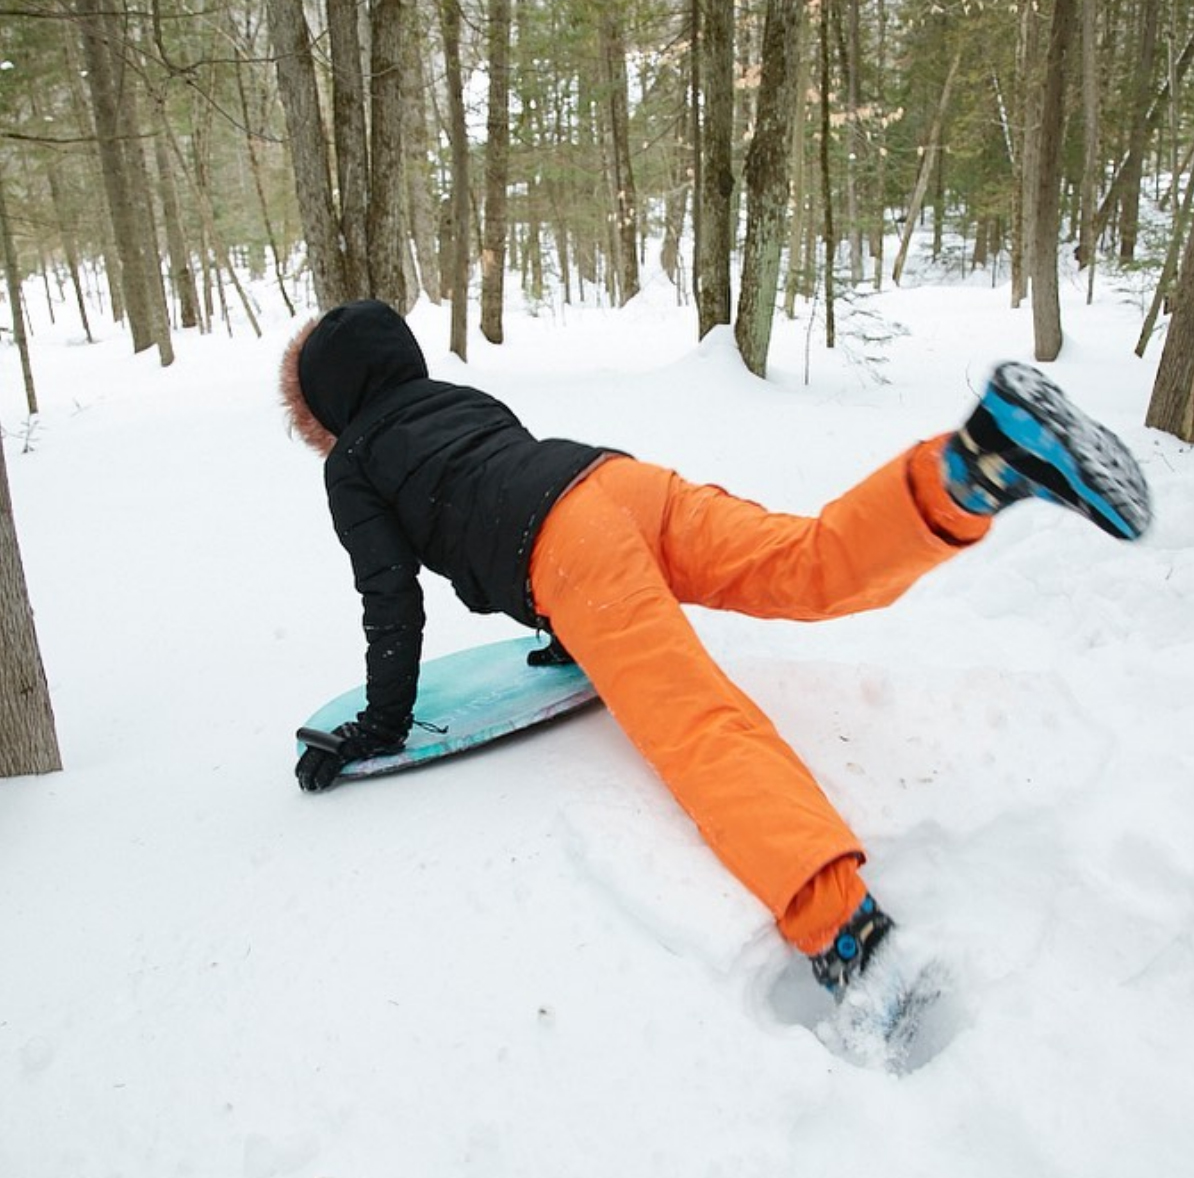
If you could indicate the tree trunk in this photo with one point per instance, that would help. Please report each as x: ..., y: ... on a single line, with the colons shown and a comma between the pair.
x: 939, y: 205
x: 95, y: 25
x: 853, y: 64
x: 75, y: 73
x: 827, y: 184
x: 28, y: 742
x: 387, y: 276
x: 798, y: 280
x: 927, y: 170
x: 142, y: 211
x: 715, y: 242
x: 70, y: 248
x: 65, y: 228
x: 208, y: 218
x: 982, y: 243
x: 1172, y: 405
x: 259, y: 185
x: 608, y: 230
x: 676, y: 201
x: 1046, y: 304
x: 497, y: 171
x: 613, y: 53
x: 1168, y: 271
x: 698, y: 151
x: 879, y: 150
x: 12, y: 274
x: 423, y: 216
x: 1155, y: 112
x: 768, y: 164
x: 533, y: 250
x: 182, y: 277
x: 458, y: 134
x: 351, y: 139
x: 1090, y: 135
x: 299, y: 95
x: 1145, y: 59
x: 1026, y: 165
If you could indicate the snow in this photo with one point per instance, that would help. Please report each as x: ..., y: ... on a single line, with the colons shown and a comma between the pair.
x: 525, y: 961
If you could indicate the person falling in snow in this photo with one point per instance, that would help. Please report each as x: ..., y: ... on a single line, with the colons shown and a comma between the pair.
x: 602, y: 550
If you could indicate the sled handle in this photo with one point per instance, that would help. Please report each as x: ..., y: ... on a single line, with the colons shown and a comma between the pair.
x: 313, y: 738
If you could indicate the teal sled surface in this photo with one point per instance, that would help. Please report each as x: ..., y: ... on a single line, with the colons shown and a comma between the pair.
x: 475, y: 696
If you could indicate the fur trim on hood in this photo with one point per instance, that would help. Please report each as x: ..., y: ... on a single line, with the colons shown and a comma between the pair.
x: 302, y: 421
x: 339, y: 362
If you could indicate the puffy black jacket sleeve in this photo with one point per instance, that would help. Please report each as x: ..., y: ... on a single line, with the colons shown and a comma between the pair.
x: 386, y: 572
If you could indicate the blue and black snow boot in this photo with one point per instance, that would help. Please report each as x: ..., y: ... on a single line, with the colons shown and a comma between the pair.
x: 1026, y: 439
x: 852, y: 948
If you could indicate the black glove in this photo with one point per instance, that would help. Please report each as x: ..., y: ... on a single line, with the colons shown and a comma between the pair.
x: 553, y: 655
x: 328, y: 752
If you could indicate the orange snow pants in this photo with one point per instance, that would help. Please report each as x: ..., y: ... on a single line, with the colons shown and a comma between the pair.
x: 623, y: 549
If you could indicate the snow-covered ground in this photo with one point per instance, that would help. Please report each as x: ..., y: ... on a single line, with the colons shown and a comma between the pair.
x: 524, y: 962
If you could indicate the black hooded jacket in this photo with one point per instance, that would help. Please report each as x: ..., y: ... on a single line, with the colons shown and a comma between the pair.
x: 423, y: 473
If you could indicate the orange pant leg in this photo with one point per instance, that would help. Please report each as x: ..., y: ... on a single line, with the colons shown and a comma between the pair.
x: 863, y: 552
x: 611, y: 565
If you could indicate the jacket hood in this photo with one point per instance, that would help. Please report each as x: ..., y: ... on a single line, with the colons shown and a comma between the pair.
x: 337, y: 363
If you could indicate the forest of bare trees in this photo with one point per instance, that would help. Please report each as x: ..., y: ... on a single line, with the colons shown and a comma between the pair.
x: 155, y: 152
x: 159, y: 157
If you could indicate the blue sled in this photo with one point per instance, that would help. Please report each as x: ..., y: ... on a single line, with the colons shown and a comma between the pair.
x: 467, y: 699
